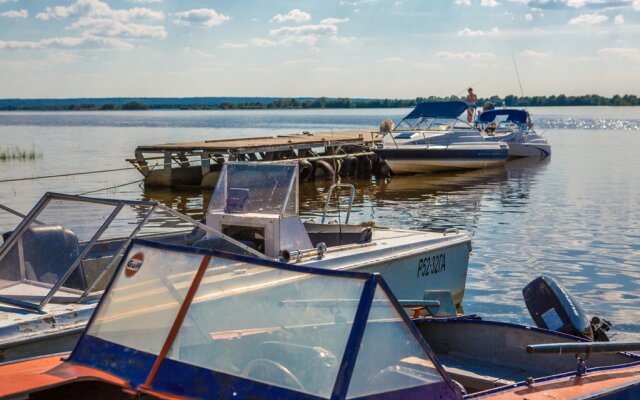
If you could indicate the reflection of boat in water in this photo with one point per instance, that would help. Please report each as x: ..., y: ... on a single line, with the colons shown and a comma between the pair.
x: 432, y: 138
x: 515, y: 128
x: 204, y: 325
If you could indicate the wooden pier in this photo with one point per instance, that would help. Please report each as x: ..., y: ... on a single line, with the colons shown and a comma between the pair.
x: 321, y: 155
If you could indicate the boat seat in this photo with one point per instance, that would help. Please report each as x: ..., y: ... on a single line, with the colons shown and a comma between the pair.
x: 49, y: 251
x: 337, y: 235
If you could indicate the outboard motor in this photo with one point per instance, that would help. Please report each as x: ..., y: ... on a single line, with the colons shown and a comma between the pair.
x: 552, y: 307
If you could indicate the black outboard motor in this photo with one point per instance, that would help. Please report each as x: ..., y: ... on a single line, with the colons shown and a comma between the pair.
x: 552, y: 307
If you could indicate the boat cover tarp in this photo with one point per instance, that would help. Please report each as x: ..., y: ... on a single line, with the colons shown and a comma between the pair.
x: 512, y: 115
x: 441, y: 109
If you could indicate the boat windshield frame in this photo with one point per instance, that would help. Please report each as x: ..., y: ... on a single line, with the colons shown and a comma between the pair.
x: 173, y: 376
x: 147, y: 215
x: 432, y: 124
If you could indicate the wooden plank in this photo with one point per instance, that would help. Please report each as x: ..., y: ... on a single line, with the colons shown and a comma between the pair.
x: 302, y: 140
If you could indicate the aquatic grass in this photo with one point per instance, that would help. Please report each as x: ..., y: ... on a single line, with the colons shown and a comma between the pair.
x: 16, y: 153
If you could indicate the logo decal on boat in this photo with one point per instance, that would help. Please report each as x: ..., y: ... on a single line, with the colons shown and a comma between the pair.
x: 133, y: 265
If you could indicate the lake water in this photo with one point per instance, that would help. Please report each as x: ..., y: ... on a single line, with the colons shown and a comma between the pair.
x: 575, y: 216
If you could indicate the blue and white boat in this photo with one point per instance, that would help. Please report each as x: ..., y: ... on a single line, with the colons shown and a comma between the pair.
x: 515, y: 128
x: 432, y: 137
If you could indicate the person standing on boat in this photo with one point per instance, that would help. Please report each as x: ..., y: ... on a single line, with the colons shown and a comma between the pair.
x: 471, y: 101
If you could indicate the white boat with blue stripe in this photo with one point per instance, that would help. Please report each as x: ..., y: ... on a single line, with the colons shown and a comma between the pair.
x: 432, y: 138
x: 515, y: 128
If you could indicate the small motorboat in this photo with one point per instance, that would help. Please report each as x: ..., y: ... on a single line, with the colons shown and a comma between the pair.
x: 256, y: 203
x: 432, y: 137
x: 55, y: 264
x: 182, y: 322
x: 515, y: 128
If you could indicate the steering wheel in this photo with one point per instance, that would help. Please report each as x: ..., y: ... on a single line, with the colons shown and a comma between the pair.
x: 271, y: 372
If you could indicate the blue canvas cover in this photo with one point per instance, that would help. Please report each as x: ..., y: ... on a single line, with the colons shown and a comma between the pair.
x: 441, y: 109
x: 511, y: 115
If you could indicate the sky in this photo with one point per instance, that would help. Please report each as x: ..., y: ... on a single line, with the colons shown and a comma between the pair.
x: 333, y: 48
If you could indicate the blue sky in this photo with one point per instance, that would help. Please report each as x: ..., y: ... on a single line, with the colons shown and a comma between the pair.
x: 351, y: 48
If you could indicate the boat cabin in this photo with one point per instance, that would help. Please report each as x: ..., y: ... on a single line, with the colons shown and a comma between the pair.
x: 257, y: 204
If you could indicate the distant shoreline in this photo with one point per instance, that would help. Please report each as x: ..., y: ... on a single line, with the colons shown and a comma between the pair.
x: 274, y: 103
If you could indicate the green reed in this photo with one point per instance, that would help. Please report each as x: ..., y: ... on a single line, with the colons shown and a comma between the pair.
x: 16, y: 153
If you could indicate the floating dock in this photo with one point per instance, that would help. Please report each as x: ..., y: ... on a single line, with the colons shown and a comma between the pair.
x: 321, y: 155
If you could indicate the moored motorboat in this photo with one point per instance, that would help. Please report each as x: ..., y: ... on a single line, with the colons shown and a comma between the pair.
x: 55, y: 265
x: 514, y: 127
x: 195, y: 323
x: 257, y: 204
x: 432, y: 137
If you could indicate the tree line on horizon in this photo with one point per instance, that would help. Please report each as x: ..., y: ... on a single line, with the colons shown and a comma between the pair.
x: 324, y: 102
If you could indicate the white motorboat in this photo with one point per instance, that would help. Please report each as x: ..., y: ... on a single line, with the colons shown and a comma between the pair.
x: 257, y: 204
x: 515, y: 128
x: 56, y: 263
x: 432, y: 138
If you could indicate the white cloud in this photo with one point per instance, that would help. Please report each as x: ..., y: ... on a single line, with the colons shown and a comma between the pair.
x: 426, y: 65
x: 295, y: 15
x: 113, y: 28
x: 99, y: 9
x: 392, y: 60
x: 343, y: 39
x: 534, y: 54
x: 636, y: 5
x: 489, y: 3
x: 528, y: 17
x: 145, y: 1
x: 207, y: 17
x: 304, y: 30
x: 67, y: 42
x: 15, y: 14
x: 464, y: 55
x: 469, y: 33
x: 260, y: 42
x: 619, y: 19
x: 333, y: 21
x: 576, y: 3
x: 588, y: 19
x: 463, y: 2
x: 234, y: 45
x: 198, y: 53
x: 626, y: 52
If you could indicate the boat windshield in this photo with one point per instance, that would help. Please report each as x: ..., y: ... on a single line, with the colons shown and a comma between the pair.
x: 249, y: 187
x: 66, y: 249
x: 243, y: 326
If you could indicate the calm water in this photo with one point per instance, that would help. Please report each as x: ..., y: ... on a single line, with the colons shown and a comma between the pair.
x: 575, y: 217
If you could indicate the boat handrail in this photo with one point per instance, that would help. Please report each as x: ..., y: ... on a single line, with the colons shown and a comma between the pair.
x: 582, y: 347
x: 330, y: 192
x: 450, y: 230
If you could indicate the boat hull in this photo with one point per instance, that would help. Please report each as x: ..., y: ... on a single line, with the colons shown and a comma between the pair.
x: 411, y: 266
x: 431, y: 160
x: 541, y: 150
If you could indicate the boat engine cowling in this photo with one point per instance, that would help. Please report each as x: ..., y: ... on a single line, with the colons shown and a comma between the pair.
x: 552, y: 307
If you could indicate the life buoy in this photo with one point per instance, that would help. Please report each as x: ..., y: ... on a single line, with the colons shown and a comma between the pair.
x: 306, y: 170
x: 324, y: 170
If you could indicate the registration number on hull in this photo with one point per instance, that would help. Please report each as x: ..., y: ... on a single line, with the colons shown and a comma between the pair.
x: 431, y: 265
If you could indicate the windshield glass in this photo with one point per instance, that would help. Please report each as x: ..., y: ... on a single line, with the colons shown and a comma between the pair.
x: 245, y: 187
x: 264, y: 322
x: 63, y: 247
x: 406, y: 124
